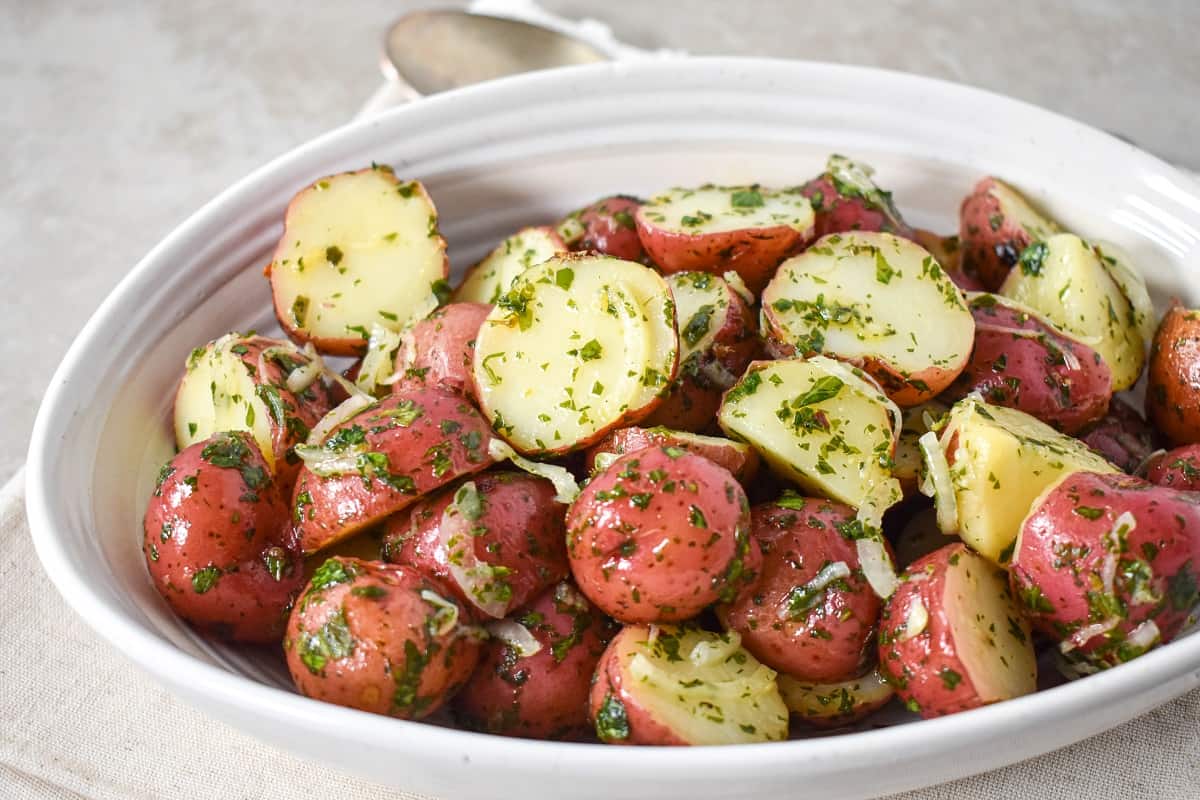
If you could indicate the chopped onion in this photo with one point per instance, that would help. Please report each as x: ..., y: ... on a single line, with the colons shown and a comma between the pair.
x: 480, y: 581
x: 652, y: 636
x: 603, y: 461
x: 858, y: 178
x: 914, y: 621
x: 1145, y: 463
x: 707, y: 652
x: 827, y: 575
x: 515, y: 635
x: 378, y: 365
x: 343, y: 412
x: 877, y: 567
x: 944, y: 499
x: 326, y: 463
x: 1085, y: 634
x: 567, y: 595
x: 564, y: 482
x: 445, y: 618
x: 1070, y: 360
x: 1145, y: 635
x: 738, y: 285
x: 1020, y: 333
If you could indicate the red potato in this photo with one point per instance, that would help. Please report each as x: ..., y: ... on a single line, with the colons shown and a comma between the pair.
x: 1176, y: 469
x: 383, y: 460
x: 835, y: 705
x: 1108, y: 565
x: 659, y: 535
x: 491, y: 278
x: 995, y: 225
x: 1173, y: 379
x: 947, y: 251
x: 1025, y: 362
x: 683, y: 686
x: 606, y: 226
x: 845, y: 198
x: 496, y: 540
x: 952, y: 638
x: 747, y: 229
x: 379, y: 637
x: 440, y: 349
x: 217, y: 542
x: 811, y: 614
x: 685, y: 406
x: 1122, y: 436
x: 737, y: 457
x: 541, y: 694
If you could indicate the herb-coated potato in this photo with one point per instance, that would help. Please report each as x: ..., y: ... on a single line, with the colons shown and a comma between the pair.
x: 667, y: 685
x: 737, y: 457
x: 488, y: 280
x: 907, y: 460
x: 1173, y: 382
x: 947, y: 251
x: 1108, y: 565
x: 747, y: 229
x: 845, y: 198
x: 1122, y: 437
x: 607, y: 226
x: 952, y: 638
x: 811, y: 614
x: 659, y: 535
x: 379, y: 637
x: 535, y: 683
x: 875, y: 300
x: 1176, y: 469
x: 1027, y: 363
x: 440, y: 349
x: 996, y: 224
x: 496, y: 540
x: 240, y: 383
x: 358, y: 249
x: 217, y: 542
x: 836, y: 704
x: 385, y: 458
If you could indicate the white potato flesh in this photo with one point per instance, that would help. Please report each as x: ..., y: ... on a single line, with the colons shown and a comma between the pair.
x: 720, y: 209
x: 358, y: 249
x: 701, y: 303
x: 831, y: 700
x: 1000, y: 460
x: 492, y: 276
x: 821, y: 424
x: 1121, y: 269
x: 578, y: 345
x: 872, y: 297
x: 991, y: 637
x: 1067, y: 282
x: 702, y: 686
x: 1014, y: 206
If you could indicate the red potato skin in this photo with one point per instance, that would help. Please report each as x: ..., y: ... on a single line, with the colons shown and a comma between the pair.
x: 833, y: 641
x: 217, y: 541
x: 610, y: 681
x: 440, y: 348
x: 609, y: 228
x: 947, y: 251
x: 1031, y: 375
x: 398, y: 663
x: 521, y: 529
x: 991, y: 242
x: 1122, y: 436
x: 686, y: 406
x: 735, y: 344
x: 660, y: 535
x: 545, y: 695
x: 1058, y: 562
x: 1176, y: 469
x: 1173, y: 377
x: 742, y: 464
x: 837, y: 213
x: 421, y: 457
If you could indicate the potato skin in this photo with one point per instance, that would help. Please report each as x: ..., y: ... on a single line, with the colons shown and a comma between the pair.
x: 217, y: 541
x: 608, y: 685
x: 608, y: 226
x: 365, y: 635
x: 947, y: 251
x: 544, y: 695
x: 1032, y: 374
x: 1059, y: 564
x: 440, y: 349
x: 830, y: 637
x: 1176, y: 469
x: 429, y: 436
x: 512, y: 522
x: 1173, y: 378
x: 659, y: 535
x: 837, y: 212
x: 741, y: 461
x: 991, y: 241
x: 1122, y: 436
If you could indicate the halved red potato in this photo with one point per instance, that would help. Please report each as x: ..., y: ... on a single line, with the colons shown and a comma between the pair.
x: 667, y: 685
x: 996, y: 224
x: 1025, y: 362
x: 606, y: 226
x: 747, y: 229
x: 579, y: 345
x: 496, y: 540
x: 659, y: 535
x: 536, y: 671
x: 907, y: 461
x: 685, y: 406
x: 834, y: 705
x: 1122, y: 437
x: 811, y: 614
x: 383, y: 460
x: 947, y: 251
x: 251, y: 383
x: 1070, y: 283
x: 1173, y: 380
x: 845, y: 198
x: 1176, y: 469
x: 379, y: 637
x: 440, y: 349
x: 488, y: 280
x: 1108, y: 565
x: 875, y: 300
x: 819, y: 423
x: 358, y: 249
x: 989, y: 463
x: 217, y: 542
x: 952, y: 637
x: 737, y: 457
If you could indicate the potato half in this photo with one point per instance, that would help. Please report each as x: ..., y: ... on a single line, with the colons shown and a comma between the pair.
x: 492, y: 276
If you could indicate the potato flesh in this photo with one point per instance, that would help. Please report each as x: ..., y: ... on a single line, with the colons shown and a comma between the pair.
x: 720, y: 209
x: 730, y: 698
x: 492, y: 276
x: 701, y: 303
x: 1002, y: 461
x: 848, y: 460
x: 218, y: 394
x: 871, y: 295
x: 1072, y: 288
x: 357, y: 252
x: 1015, y: 207
x: 595, y: 344
x: 991, y: 637
x: 821, y: 700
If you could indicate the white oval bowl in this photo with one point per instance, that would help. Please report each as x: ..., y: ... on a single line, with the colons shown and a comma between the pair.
x: 522, y: 151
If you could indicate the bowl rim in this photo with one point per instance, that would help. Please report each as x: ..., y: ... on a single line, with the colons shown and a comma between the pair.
x: 169, y: 664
